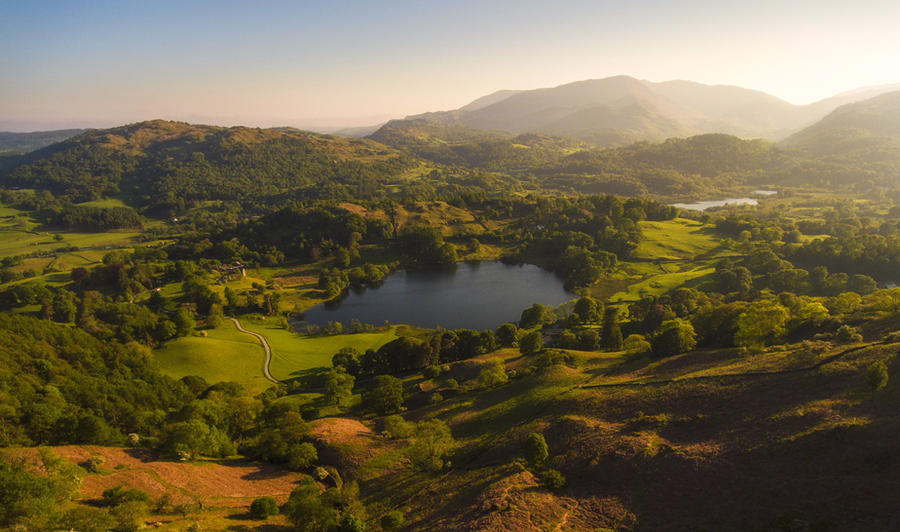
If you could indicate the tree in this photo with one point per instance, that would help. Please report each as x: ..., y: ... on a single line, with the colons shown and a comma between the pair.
x: 216, y: 316
x: 493, y: 373
x: 263, y: 507
x: 184, y: 322
x: 531, y: 343
x: 338, y: 388
x: 433, y: 442
x: 397, y: 427
x: 347, y: 358
x: 674, y: 337
x: 302, y: 456
x: 611, y: 338
x: 760, y: 322
x: 64, y: 308
x: 588, y: 339
x: 534, y: 316
x: 508, y: 335
x: 588, y: 310
x: 385, y: 396
x: 309, y: 510
x: 535, y: 449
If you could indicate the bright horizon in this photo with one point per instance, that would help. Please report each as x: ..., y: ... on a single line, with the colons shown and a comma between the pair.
x: 339, y: 64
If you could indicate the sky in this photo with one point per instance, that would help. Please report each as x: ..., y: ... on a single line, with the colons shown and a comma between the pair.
x: 72, y: 63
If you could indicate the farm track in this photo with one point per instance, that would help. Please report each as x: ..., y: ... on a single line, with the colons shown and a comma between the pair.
x: 265, y: 345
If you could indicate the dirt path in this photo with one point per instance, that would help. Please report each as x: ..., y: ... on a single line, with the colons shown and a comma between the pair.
x: 265, y: 344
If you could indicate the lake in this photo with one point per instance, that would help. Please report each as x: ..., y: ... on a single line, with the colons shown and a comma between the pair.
x: 703, y: 205
x: 471, y: 296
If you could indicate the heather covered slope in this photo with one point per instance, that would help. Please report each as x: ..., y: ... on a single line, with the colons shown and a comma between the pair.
x: 737, y: 451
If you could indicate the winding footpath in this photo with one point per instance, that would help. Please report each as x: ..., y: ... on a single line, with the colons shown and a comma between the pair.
x: 265, y: 344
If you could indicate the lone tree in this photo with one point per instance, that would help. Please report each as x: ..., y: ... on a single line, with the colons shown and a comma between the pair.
x: 385, y: 396
x: 263, y: 507
x: 433, y: 442
x: 536, y: 450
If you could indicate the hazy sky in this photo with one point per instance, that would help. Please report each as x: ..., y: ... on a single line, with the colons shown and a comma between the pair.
x: 71, y: 63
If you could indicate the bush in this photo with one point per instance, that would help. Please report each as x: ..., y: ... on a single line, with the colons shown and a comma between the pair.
x: 877, y: 376
x: 536, y: 450
x: 129, y: 515
x: 552, y: 479
x: 431, y: 372
x: 351, y: 523
x: 392, y: 520
x: 94, y: 462
x: 848, y: 335
x: 263, y: 507
x: 493, y: 373
x: 636, y: 345
x: 119, y: 495
x: 397, y: 427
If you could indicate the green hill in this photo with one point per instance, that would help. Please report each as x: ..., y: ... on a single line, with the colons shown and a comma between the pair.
x: 169, y: 164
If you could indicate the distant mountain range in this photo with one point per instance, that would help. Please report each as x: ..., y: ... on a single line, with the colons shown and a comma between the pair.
x: 621, y: 110
x: 11, y: 142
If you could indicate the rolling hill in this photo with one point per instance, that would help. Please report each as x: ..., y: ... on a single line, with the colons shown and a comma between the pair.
x: 871, y: 127
x: 161, y: 163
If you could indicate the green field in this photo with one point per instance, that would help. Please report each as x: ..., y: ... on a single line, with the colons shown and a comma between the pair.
x: 293, y: 353
x: 662, y: 283
x: 225, y: 354
x: 105, y: 203
x: 675, y: 239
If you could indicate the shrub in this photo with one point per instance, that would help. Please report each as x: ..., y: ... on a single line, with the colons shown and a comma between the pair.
x: 552, y: 479
x: 493, y: 373
x: 431, y: 372
x: 94, y: 462
x: 119, y: 495
x: 263, y: 507
x: 129, y: 515
x: 535, y: 448
x: 848, y: 335
x: 397, y: 427
x: 392, y: 520
x: 877, y: 376
x: 433, y: 442
x: 351, y: 523
x: 636, y: 345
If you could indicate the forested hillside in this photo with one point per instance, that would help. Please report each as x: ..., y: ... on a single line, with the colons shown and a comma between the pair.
x: 167, y: 165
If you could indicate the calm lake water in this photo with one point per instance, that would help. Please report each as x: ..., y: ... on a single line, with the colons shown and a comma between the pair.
x: 473, y: 296
x: 703, y: 205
